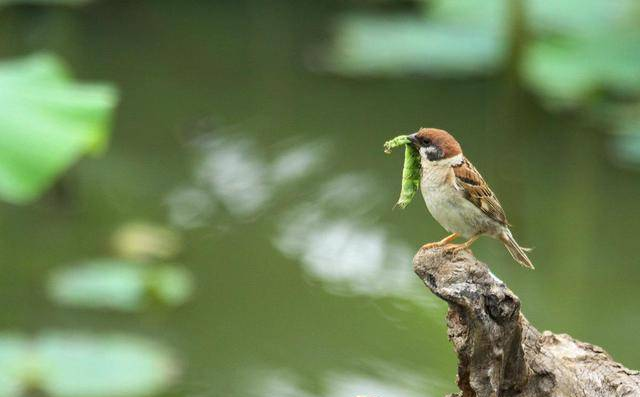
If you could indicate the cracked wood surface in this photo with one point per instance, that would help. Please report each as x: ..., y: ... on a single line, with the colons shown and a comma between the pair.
x: 499, y: 353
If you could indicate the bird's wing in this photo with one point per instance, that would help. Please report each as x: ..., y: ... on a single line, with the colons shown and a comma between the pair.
x: 476, y: 190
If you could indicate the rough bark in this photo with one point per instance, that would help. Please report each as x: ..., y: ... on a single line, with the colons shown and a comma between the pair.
x: 499, y: 353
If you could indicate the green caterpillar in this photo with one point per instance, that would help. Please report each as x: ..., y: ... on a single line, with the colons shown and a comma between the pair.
x: 410, y: 170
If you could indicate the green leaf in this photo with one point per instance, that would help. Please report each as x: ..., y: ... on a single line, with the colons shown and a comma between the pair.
x: 456, y: 38
x: 579, y: 17
x: 63, y: 364
x: 569, y: 71
x: 47, y: 122
x: 13, y: 361
x: 490, y: 15
x: 120, y: 285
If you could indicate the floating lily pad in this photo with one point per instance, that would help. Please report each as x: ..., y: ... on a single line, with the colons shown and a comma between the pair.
x: 64, y: 364
x: 120, y: 285
x: 13, y: 359
x: 382, y: 45
x: 47, y: 122
x: 454, y: 38
x: 578, y: 17
x: 569, y: 71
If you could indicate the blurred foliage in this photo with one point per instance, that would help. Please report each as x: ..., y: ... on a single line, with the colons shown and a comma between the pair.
x: 580, y: 49
x: 572, y: 47
x: 62, y: 364
x: 47, y: 122
x: 120, y: 285
x: 569, y: 71
x: 571, y: 53
x: 144, y: 241
x: 453, y: 39
x: 579, y: 17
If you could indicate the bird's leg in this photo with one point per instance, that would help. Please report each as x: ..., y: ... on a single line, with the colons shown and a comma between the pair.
x: 459, y: 247
x: 442, y: 242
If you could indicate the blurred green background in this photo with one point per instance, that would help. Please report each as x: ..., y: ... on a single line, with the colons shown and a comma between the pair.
x: 196, y: 202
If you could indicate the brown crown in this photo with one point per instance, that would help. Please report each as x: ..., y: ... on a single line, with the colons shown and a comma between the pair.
x: 442, y: 139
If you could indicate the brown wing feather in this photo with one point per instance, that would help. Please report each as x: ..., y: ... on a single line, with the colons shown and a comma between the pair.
x: 477, y: 191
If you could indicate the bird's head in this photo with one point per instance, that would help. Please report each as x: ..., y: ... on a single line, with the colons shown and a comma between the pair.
x: 434, y: 144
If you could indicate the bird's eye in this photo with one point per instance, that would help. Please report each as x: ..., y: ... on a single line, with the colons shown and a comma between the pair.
x: 426, y: 142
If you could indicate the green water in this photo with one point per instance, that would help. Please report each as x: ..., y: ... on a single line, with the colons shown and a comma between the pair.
x: 303, y: 277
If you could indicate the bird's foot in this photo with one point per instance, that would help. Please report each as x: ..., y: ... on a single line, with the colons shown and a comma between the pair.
x: 440, y: 243
x: 429, y: 246
x: 455, y: 248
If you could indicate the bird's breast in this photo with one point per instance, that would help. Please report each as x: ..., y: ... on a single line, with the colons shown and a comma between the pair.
x: 438, y: 190
x: 447, y: 204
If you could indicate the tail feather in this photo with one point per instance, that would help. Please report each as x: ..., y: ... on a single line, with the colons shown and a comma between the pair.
x: 516, y: 251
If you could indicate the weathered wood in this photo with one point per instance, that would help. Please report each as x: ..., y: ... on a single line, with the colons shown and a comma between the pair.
x: 499, y: 353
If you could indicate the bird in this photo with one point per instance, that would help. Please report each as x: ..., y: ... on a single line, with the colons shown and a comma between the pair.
x: 458, y: 197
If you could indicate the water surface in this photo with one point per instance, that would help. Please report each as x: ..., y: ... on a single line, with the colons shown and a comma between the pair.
x: 275, y: 178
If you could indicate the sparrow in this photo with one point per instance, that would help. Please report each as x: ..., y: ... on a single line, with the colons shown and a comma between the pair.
x: 458, y: 197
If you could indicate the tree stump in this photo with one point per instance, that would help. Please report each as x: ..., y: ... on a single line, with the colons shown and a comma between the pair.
x: 499, y: 353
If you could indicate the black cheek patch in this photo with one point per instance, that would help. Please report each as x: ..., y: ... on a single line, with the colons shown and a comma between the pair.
x: 434, y: 153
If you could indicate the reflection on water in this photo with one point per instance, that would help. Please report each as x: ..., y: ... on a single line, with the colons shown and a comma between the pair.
x: 328, y: 230
x: 277, y: 383
x: 189, y: 207
x: 349, y: 253
x: 346, y: 253
x: 381, y: 380
x: 358, y: 385
x: 268, y: 207
x: 235, y: 173
x: 297, y: 163
x: 353, y: 192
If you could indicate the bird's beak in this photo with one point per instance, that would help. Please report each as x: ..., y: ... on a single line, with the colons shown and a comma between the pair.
x: 413, y: 139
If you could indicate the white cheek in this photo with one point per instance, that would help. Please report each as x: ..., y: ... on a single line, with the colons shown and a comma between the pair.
x: 431, y: 150
x: 423, y: 151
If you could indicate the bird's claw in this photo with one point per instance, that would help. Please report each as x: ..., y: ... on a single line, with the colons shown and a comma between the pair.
x: 440, y: 243
x: 429, y: 246
x: 455, y: 248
